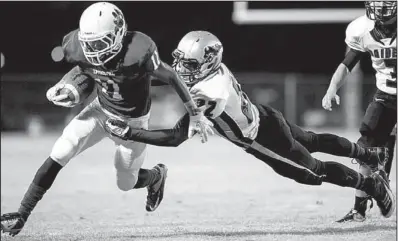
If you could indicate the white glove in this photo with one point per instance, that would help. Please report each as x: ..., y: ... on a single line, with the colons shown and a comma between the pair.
x: 117, y: 128
x: 53, y: 95
x: 327, y: 100
x: 200, y: 124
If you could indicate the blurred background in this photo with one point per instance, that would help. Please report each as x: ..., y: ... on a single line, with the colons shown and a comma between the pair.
x: 283, y: 53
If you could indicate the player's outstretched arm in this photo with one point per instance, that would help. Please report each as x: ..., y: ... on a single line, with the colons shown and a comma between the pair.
x: 42, y: 181
x: 199, y: 122
x: 165, y: 137
x: 166, y: 73
x: 338, y: 79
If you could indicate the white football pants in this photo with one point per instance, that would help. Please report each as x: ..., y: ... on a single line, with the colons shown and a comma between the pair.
x: 87, y: 129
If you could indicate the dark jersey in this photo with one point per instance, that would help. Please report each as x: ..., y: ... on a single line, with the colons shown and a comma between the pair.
x: 123, y: 83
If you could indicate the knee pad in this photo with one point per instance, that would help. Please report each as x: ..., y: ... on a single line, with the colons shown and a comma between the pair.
x: 64, y: 149
x: 128, y: 161
x: 126, y: 180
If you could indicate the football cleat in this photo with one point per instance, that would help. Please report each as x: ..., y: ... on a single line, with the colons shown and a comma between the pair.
x: 383, y: 194
x: 378, y: 158
x: 352, y: 216
x: 12, y: 223
x: 155, y: 191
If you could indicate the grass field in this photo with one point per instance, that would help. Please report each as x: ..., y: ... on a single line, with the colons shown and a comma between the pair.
x: 214, y: 192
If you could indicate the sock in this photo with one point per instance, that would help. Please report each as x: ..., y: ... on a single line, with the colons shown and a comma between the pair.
x: 146, y: 178
x: 361, y: 204
x: 42, y: 181
x: 360, y: 196
x: 391, y: 146
x: 359, y: 152
x: 32, y: 196
x: 341, y: 175
x: 368, y: 186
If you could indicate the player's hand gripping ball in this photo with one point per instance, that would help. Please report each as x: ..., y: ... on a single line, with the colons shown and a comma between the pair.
x: 73, y: 90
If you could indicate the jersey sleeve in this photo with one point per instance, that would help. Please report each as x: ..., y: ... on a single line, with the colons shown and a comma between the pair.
x: 71, y: 48
x: 354, y: 34
x: 142, y: 50
x: 153, y: 61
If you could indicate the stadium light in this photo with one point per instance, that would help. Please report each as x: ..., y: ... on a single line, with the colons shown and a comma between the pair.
x: 57, y: 54
x: 2, y: 60
x: 241, y: 14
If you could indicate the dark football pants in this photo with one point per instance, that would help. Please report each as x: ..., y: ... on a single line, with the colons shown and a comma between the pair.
x: 276, y: 146
x: 378, y: 123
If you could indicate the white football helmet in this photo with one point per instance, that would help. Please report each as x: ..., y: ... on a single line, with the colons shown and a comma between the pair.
x: 198, y: 54
x: 384, y: 12
x: 102, y: 28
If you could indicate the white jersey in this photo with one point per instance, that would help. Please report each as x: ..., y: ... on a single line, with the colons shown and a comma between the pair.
x: 231, y: 111
x: 360, y: 35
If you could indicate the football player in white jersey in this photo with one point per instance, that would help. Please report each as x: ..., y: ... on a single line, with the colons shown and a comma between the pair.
x: 260, y: 130
x: 374, y: 33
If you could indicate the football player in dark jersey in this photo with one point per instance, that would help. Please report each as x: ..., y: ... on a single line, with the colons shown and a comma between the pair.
x: 122, y: 64
x: 375, y: 33
x: 259, y: 129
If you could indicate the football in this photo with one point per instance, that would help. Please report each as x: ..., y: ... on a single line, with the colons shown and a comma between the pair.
x: 78, y: 86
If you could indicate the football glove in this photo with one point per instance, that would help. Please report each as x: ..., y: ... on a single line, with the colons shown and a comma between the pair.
x: 54, y: 95
x: 201, y: 125
x: 118, y: 128
x: 12, y: 223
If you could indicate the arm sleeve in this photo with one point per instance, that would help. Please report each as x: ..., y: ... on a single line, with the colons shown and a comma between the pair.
x: 165, y: 137
x: 351, y: 58
x: 166, y: 74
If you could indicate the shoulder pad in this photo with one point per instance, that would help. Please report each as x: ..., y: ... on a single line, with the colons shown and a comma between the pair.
x: 73, y: 52
x: 140, y: 48
x: 355, y: 32
x: 215, y: 86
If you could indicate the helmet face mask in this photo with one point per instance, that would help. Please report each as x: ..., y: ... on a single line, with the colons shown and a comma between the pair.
x: 384, y: 12
x: 188, y: 69
x: 101, y: 33
x: 198, y: 54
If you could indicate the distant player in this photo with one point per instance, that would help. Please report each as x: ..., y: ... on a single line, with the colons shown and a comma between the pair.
x: 374, y: 33
x: 260, y: 130
x: 122, y: 64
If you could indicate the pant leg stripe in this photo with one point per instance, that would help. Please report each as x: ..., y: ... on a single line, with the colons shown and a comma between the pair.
x: 265, y: 151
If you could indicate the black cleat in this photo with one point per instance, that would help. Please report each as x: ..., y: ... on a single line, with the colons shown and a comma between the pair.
x: 378, y: 158
x: 352, y: 216
x: 383, y: 194
x: 356, y: 216
x: 155, y: 191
